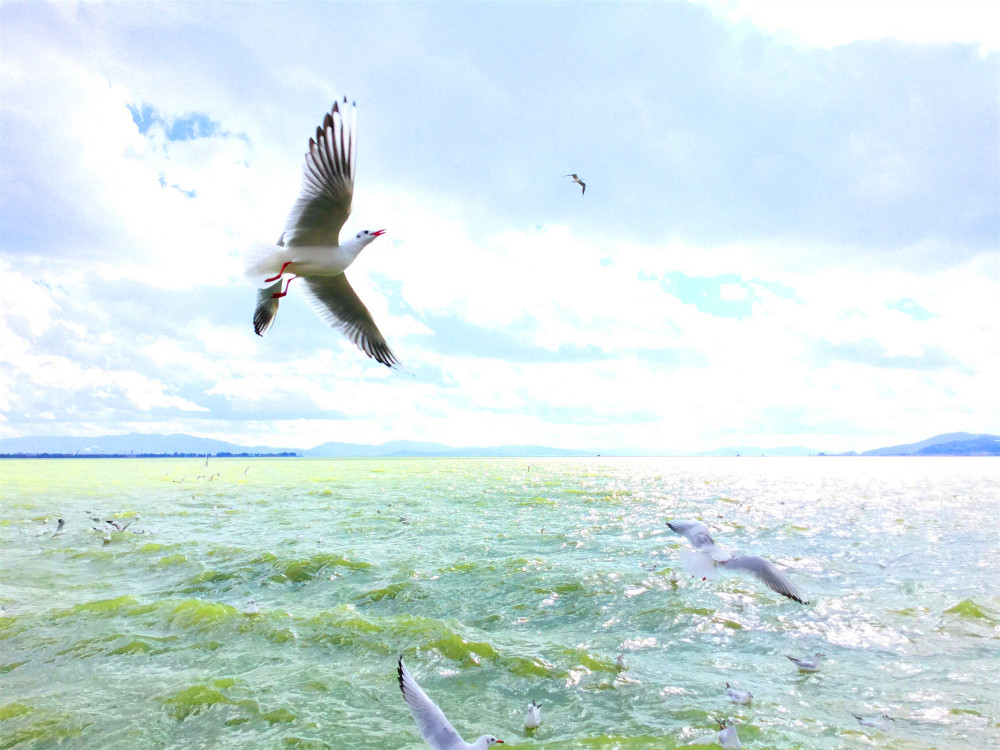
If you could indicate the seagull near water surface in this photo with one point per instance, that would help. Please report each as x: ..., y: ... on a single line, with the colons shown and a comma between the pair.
x: 877, y: 722
x: 310, y: 246
x: 436, y: 730
x: 807, y: 664
x: 708, y: 556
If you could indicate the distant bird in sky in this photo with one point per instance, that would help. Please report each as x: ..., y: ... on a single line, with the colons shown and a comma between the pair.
x: 742, y: 697
x: 533, y: 717
x: 708, y: 555
x: 878, y: 722
x: 310, y: 246
x: 578, y: 181
x: 807, y: 664
x: 434, y: 727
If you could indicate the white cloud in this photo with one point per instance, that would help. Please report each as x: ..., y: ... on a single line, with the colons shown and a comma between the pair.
x: 524, y: 311
x: 825, y: 23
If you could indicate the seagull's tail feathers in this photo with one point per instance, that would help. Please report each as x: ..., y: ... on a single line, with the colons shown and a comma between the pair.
x: 263, y: 260
x: 698, y: 564
x: 267, y: 307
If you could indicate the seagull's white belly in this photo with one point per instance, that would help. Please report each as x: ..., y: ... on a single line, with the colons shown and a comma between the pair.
x: 310, y: 260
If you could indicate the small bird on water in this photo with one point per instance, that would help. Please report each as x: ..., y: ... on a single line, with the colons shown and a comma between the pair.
x: 807, y: 664
x: 310, y: 247
x: 533, y: 718
x: 742, y: 697
x: 436, y: 730
x: 578, y: 181
x: 879, y: 722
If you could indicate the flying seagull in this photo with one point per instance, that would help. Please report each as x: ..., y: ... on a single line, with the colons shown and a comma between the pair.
x: 310, y: 246
x: 708, y: 555
x: 431, y: 721
x: 579, y: 182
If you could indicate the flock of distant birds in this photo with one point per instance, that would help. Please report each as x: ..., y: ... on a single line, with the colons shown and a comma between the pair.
x: 310, y: 247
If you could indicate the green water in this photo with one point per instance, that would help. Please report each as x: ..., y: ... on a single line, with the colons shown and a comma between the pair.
x: 500, y: 581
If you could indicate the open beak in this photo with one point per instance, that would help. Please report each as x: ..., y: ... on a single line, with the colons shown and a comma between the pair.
x: 378, y: 233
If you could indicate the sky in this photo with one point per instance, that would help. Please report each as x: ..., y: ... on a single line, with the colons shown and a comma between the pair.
x: 790, y: 234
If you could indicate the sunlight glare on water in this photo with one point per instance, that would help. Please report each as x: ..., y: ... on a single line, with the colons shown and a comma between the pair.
x: 501, y: 581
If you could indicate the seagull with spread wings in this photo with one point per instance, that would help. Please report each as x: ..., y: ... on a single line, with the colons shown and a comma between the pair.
x: 578, y: 181
x: 436, y: 730
x: 708, y: 556
x: 310, y: 246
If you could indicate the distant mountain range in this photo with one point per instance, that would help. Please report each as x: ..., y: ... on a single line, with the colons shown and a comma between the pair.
x: 134, y: 443
x: 949, y: 444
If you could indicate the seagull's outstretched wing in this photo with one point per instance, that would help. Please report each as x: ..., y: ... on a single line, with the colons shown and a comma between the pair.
x: 772, y: 577
x: 431, y: 721
x: 327, y: 182
x: 696, y: 532
x: 338, y: 305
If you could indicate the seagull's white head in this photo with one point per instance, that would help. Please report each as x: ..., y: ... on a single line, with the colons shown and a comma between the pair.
x: 367, y: 236
x: 487, y: 740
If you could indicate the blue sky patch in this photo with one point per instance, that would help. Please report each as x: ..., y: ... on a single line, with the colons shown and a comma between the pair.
x: 194, y: 125
x: 708, y: 293
x: 909, y: 307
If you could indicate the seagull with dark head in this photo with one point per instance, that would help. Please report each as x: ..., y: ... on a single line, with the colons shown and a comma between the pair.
x: 311, y: 248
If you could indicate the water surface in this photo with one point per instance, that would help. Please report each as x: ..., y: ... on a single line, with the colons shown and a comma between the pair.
x: 500, y: 581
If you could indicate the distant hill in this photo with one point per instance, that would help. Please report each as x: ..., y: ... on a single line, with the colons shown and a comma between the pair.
x: 948, y: 444
x: 133, y: 442
x: 152, y: 444
x: 978, y: 445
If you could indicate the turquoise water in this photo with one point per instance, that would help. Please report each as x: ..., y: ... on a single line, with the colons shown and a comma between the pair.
x: 500, y: 581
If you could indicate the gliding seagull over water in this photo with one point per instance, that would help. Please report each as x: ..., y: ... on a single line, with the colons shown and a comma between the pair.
x: 434, y: 727
x: 310, y: 248
x: 708, y: 556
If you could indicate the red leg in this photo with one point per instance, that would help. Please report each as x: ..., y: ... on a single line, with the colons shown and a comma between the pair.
x: 278, y: 295
x: 284, y: 265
